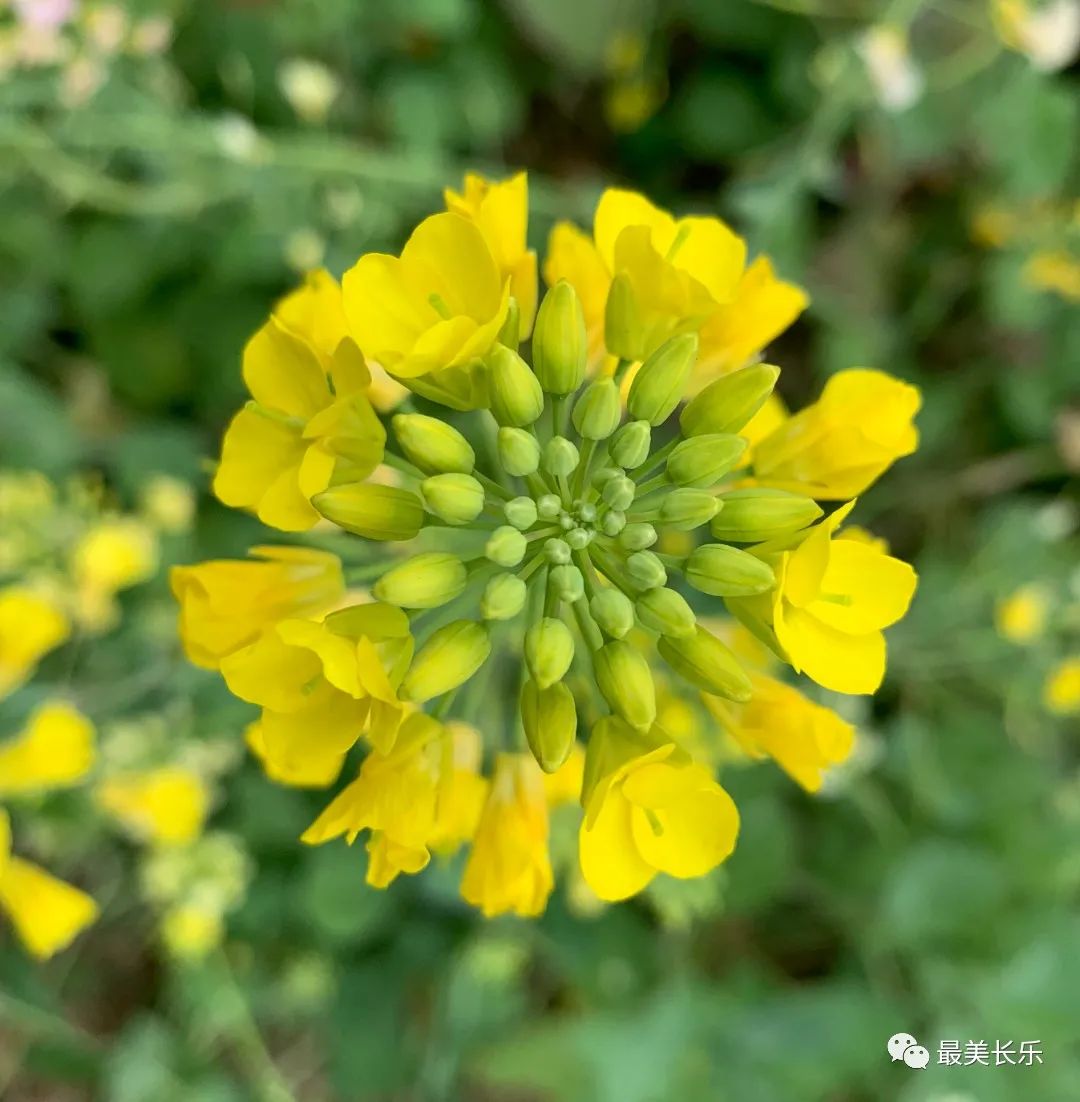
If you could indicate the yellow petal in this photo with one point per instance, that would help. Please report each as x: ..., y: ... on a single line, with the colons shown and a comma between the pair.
x: 863, y: 590
x: 610, y: 861
x: 387, y: 859
x: 835, y: 660
x: 31, y: 625
x: 712, y: 253
x: 166, y: 806
x: 55, y: 750
x: 298, y: 770
x: 314, y: 313
x: 47, y: 913
x: 448, y: 256
x: 386, y: 312
x: 619, y: 209
x: 271, y: 673
x: 283, y: 373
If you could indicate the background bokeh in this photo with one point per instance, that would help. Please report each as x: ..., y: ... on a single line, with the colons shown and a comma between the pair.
x: 167, y: 170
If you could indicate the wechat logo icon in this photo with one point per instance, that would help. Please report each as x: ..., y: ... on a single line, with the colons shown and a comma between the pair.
x: 902, y: 1046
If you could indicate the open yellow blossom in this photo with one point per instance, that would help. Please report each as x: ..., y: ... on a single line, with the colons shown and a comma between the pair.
x: 301, y: 769
x: 804, y: 738
x: 168, y: 503
x: 837, y: 447
x: 509, y: 867
x: 115, y: 554
x: 31, y: 625
x: 833, y: 597
x: 190, y: 931
x: 309, y: 419
x: 165, y: 806
x: 1054, y: 270
x: 683, y: 275
x: 322, y: 685
x: 1021, y: 617
x: 54, y: 750
x: 428, y: 316
x: 227, y: 604
x: 501, y: 212
x: 649, y: 808
x: 1061, y: 692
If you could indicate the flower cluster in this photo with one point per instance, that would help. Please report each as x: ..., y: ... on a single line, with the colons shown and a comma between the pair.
x: 571, y: 510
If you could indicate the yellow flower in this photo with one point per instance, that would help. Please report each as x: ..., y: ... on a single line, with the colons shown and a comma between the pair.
x: 227, y: 604
x: 189, y: 931
x: 115, y: 554
x: 310, y: 418
x: 832, y: 599
x: 1061, y: 692
x: 845, y: 441
x: 424, y: 794
x: 321, y: 685
x: 501, y: 212
x: 427, y: 316
x: 649, y: 808
x: 168, y: 503
x: 685, y: 274
x: 803, y: 737
x: 1021, y: 617
x: 302, y: 769
x: 564, y: 785
x: 509, y: 868
x: 164, y: 806
x: 31, y: 625
x: 1054, y: 270
x: 54, y: 750
x: 47, y: 913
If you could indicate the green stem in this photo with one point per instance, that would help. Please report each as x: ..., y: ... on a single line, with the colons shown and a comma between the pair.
x: 492, y: 486
x: 587, y: 626
x: 588, y: 449
x: 658, y: 457
x: 398, y: 463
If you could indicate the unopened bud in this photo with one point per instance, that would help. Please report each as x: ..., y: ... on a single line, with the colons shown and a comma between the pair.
x: 560, y: 456
x: 548, y: 506
x: 667, y: 612
x: 519, y: 451
x: 705, y: 662
x: 550, y: 721
x: 619, y: 492
x: 549, y: 650
x: 728, y: 403
x: 560, y: 343
x: 506, y: 546
x: 424, y: 581
x: 503, y: 598
x: 613, y: 523
x: 623, y: 336
x: 723, y: 571
x: 568, y: 583
x: 598, y: 410
x: 646, y: 569
x: 520, y: 512
x: 556, y: 551
x: 510, y: 333
x: 637, y: 536
x: 756, y: 514
x: 702, y: 460
x: 454, y: 498
x: 373, y: 511
x: 433, y: 445
x: 613, y: 611
x: 514, y: 391
x: 630, y: 447
x: 685, y: 509
x: 448, y: 659
x: 578, y: 539
x: 624, y: 678
x: 604, y: 475
x: 661, y: 383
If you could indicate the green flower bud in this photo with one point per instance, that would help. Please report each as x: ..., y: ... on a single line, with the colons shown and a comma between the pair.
x: 373, y: 511
x: 448, y: 659
x: 646, y: 569
x: 623, y: 335
x: 566, y: 522
x: 550, y: 721
x: 667, y: 612
x: 433, y: 445
x: 549, y: 506
x: 705, y: 662
x: 702, y: 460
x: 723, y: 571
x: 424, y: 581
x: 557, y: 551
x: 568, y: 583
x: 753, y: 515
x: 598, y: 410
x: 577, y: 539
x: 728, y: 403
x: 519, y: 451
x: 685, y: 509
x: 549, y: 650
x: 560, y: 343
x: 504, y: 597
x: 586, y: 512
x: 619, y: 492
x: 613, y: 523
x: 630, y: 447
x: 624, y: 678
x: 637, y: 536
x: 560, y: 456
x: 613, y: 611
x: 661, y: 383
x: 455, y: 498
x: 604, y: 475
x: 520, y: 512
x: 510, y: 333
x: 506, y: 546
x: 516, y: 397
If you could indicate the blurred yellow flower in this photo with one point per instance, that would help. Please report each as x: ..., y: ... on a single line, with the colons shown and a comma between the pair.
x: 1021, y: 617
x: 1061, y: 692
x: 500, y: 210
x: 164, y: 806
x: 115, y: 554
x: 845, y: 441
x: 509, y: 868
x: 564, y: 785
x: 1054, y: 270
x: 54, y: 750
x: 1048, y: 33
x: 168, y: 503
x: 31, y: 625
x: 189, y: 931
x: 649, y: 808
x: 303, y: 769
x: 227, y: 604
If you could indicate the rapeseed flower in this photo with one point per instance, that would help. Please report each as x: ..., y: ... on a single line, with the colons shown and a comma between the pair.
x: 545, y: 516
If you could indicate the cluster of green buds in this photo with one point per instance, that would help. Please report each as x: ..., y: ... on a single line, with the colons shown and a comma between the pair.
x: 562, y: 502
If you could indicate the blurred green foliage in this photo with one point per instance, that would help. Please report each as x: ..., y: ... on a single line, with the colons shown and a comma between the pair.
x: 154, y: 204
